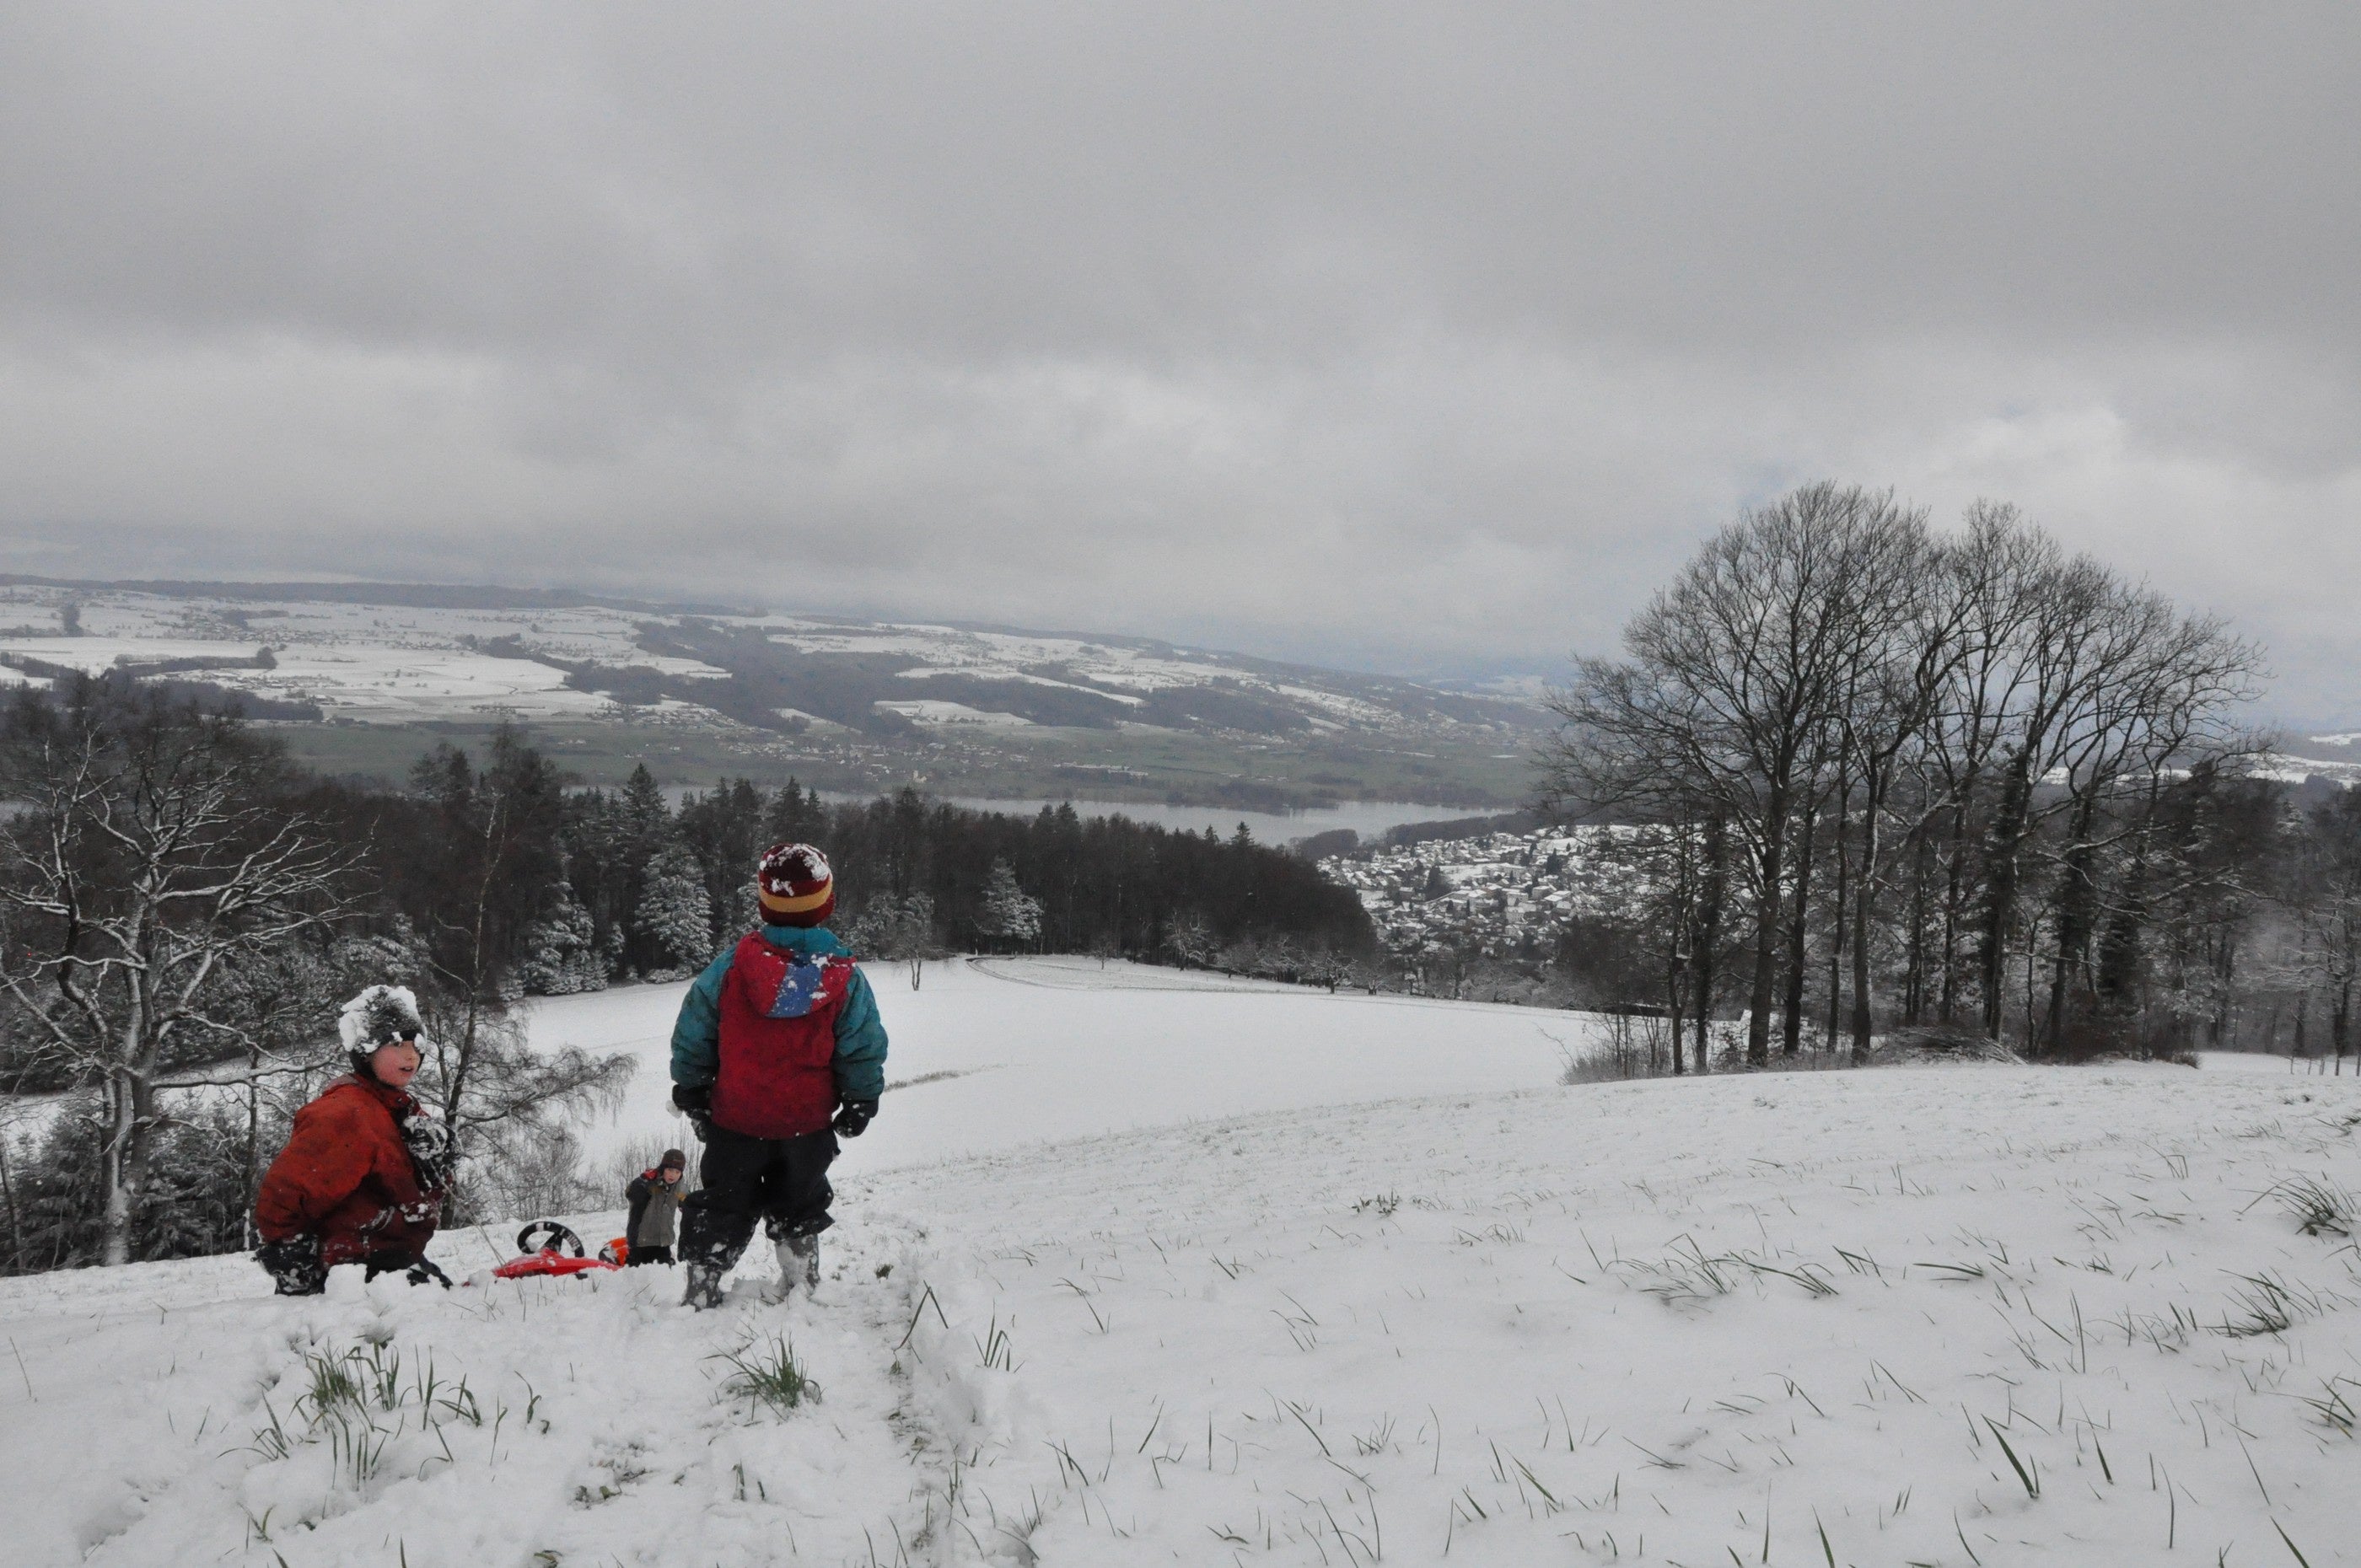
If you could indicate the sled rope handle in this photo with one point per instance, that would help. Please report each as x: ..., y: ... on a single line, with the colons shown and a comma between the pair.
x: 560, y: 1239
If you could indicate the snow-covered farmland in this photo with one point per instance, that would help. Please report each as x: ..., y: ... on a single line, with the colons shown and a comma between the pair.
x: 931, y: 710
x: 394, y: 663
x: 1336, y: 1281
x: 364, y: 664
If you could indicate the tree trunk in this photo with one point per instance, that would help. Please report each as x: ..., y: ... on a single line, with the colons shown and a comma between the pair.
x: 1705, y: 946
x: 1837, y: 927
x: 1913, y: 979
x: 1768, y: 857
x: 2340, y: 1015
x: 1791, y: 1024
x: 1864, y: 1023
x: 250, y: 1182
x: 2078, y: 892
x: 130, y: 1115
x: 2225, y: 1019
x: 1999, y: 891
x: 1675, y: 977
x: 455, y: 1104
x: 1954, y: 907
x: 15, y: 1224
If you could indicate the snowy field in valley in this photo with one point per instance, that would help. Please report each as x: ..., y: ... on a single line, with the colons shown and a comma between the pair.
x: 394, y: 663
x: 1309, y: 1279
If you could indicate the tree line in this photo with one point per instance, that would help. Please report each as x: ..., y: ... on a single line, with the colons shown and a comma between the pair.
x: 184, y: 908
x: 1881, y: 776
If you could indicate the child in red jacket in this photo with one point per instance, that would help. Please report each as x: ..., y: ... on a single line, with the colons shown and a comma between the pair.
x: 777, y: 1052
x: 361, y: 1178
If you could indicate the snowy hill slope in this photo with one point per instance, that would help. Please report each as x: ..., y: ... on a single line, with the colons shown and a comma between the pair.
x: 1963, y: 1315
x: 991, y: 1054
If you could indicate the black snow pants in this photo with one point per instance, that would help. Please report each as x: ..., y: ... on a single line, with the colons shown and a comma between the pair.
x: 781, y: 1181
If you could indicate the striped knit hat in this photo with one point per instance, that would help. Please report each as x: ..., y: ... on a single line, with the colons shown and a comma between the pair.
x: 795, y: 886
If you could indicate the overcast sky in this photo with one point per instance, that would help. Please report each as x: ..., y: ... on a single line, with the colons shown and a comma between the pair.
x: 1398, y: 337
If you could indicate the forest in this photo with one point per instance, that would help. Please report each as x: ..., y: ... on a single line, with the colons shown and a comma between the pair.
x: 1897, y: 786
x: 184, y: 908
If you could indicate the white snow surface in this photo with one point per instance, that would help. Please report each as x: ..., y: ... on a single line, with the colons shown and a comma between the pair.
x: 1018, y: 1051
x: 1959, y: 1315
x: 933, y: 711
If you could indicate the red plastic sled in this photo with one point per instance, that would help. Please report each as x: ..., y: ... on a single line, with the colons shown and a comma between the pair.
x: 550, y: 1255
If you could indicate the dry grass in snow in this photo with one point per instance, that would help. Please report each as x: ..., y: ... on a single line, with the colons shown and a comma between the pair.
x: 1959, y: 1316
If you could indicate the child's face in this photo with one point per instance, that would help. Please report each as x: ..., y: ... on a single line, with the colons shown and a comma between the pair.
x: 672, y: 1173
x: 395, y: 1063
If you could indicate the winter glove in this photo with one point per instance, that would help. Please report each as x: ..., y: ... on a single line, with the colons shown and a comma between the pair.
x: 424, y: 1271
x: 695, y: 1101
x: 852, y: 1118
x: 428, y: 1141
x: 294, y: 1263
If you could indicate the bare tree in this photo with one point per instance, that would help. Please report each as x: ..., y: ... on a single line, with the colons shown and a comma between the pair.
x: 1909, y: 652
x: 510, y: 1107
x: 1726, y: 700
x: 1827, y: 678
x: 152, y: 860
x: 2163, y: 688
x: 490, y: 867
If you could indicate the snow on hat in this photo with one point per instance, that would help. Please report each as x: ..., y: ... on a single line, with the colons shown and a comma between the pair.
x: 794, y: 885
x: 377, y: 1015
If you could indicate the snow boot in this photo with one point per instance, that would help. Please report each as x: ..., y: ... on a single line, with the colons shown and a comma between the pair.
x: 704, y: 1286
x: 798, y: 1263
x: 295, y: 1265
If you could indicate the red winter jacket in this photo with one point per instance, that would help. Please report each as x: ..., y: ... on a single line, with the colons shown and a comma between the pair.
x: 346, y: 1177
x: 778, y: 1077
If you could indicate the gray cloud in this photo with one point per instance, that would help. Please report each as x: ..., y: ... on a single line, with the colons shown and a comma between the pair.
x: 1388, y: 335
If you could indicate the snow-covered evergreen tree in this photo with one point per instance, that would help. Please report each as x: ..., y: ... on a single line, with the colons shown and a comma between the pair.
x: 562, y: 950
x: 675, y: 919
x: 1010, y: 914
x: 646, y: 818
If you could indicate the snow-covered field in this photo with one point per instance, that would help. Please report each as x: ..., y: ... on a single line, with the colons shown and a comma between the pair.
x: 387, y: 664
x: 992, y: 1054
x: 1972, y: 1315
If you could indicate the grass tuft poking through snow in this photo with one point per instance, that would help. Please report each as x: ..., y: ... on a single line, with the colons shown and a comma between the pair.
x: 767, y: 1375
x: 1975, y: 1316
x: 2318, y: 1208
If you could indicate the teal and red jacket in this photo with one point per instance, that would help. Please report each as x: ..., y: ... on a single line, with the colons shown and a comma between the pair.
x: 782, y: 1028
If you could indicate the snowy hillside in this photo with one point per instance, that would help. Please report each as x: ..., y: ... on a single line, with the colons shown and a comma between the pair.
x: 1976, y: 1315
x: 991, y: 1054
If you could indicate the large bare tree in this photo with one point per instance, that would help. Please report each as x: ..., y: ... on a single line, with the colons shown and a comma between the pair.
x: 1826, y: 677
x: 1727, y: 700
x: 153, y: 854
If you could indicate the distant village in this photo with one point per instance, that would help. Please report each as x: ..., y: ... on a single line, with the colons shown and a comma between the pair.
x: 1502, y: 896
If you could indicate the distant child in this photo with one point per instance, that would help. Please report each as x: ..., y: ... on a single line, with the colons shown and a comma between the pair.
x: 778, y: 1050
x: 655, y: 1195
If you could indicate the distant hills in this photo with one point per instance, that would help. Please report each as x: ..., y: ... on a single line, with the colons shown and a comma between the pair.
x: 697, y: 689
